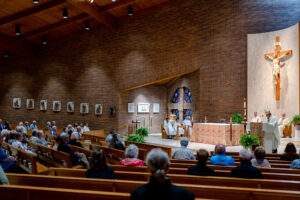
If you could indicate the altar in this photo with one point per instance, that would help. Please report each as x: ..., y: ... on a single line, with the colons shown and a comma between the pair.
x: 217, y: 133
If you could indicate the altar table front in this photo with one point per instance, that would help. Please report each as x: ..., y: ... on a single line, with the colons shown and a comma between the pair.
x: 217, y: 133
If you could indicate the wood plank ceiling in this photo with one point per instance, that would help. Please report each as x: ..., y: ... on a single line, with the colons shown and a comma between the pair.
x: 45, y: 19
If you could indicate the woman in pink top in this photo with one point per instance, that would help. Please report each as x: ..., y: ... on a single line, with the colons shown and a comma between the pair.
x: 131, y: 157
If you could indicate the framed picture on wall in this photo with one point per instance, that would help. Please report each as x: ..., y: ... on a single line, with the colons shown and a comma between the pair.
x: 16, y: 103
x: 70, y: 107
x: 156, y: 108
x: 131, y: 107
x: 56, y: 106
x: 98, y: 109
x: 143, y: 107
x: 29, y: 104
x: 84, y: 108
x: 43, y: 105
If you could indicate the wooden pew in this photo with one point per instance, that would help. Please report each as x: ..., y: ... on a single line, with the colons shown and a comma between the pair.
x: 184, y: 170
x: 26, y: 161
x: 52, y: 157
x: 122, y: 186
x: 186, y: 165
x: 195, y: 161
x: 68, y: 182
x: 13, y: 192
x: 144, y: 176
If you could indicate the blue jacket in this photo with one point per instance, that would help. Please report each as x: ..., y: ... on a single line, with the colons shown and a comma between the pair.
x: 221, y: 159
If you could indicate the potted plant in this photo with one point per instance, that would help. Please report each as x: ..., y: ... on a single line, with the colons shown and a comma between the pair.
x: 296, y: 122
x: 249, y: 141
x: 142, y: 131
x: 236, y: 118
x: 136, y: 138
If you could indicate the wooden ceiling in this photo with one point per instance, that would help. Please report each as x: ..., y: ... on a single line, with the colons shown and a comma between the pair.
x: 45, y: 18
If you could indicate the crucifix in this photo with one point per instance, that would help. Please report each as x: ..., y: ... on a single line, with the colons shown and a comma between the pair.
x: 278, y: 57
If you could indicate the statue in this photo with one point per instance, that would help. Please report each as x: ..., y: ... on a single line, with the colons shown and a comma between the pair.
x: 277, y: 58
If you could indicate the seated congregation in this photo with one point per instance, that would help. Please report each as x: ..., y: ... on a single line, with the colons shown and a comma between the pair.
x: 73, y: 152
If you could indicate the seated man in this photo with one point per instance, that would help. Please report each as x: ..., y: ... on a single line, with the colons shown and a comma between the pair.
x: 7, y: 162
x: 200, y: 169
x: 171, y: 126
x: 183, y: 153
x: 246, y: 170
x: 219, y: 158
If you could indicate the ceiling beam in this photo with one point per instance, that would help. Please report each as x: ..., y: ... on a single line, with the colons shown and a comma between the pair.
x: 31, y: 11
x: 94, y: 11
x: 117, y: 4
x: 54, y: 25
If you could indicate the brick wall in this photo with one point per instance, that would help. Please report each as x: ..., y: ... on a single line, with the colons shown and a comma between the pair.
x: 181, y: 37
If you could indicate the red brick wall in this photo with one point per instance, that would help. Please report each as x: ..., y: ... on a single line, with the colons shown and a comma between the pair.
x: 178, y: 38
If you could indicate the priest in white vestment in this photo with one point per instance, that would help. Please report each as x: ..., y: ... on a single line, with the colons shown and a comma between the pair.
x: 282, y: 123
x: 272, y: 135
x: 256, y: 118
x: 188, y: 124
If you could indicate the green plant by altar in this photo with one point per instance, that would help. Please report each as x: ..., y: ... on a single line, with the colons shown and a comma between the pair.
x: 248, y: 140
x: 236, y: 118
x: 296, y: 120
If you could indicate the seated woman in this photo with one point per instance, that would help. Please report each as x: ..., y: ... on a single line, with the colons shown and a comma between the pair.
x: 116, y: 143
x: 74, y: 140
x: 201, y: 169
x: 290, y: 152
x: 219, y: 158
x: 131, y: 156
x: 259, y: 160
x: 159, y: 185
x: 99, y: 168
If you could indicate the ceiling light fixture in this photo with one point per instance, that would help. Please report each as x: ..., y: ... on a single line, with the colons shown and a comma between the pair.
x: 87, y: 26
x: 18, y: 30
x: 130, y: 10
x: 65, y: 13
x: 44, y: 40
x: 35, y: 1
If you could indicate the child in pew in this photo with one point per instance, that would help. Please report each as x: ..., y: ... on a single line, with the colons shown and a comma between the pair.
x: 260, y: 158
x: 246, y: 170
x: 201, y: 169
x: 131, y: 157
x: 99, y: 167
x: 159, y: 185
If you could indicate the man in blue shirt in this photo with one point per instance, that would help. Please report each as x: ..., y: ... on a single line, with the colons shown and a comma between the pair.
x: 33, y: 125
x: 219, y: 158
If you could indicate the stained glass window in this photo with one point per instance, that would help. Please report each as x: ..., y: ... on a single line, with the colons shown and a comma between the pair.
x: 176, y: 96
x: 187, y: 95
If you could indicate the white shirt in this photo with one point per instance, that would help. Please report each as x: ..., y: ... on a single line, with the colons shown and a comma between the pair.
x: 256, y: 119
x: 85, y: 129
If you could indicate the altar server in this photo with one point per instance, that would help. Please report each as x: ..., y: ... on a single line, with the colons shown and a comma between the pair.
x: 282, y: 123
x: 256, y: 118
x: 188, y: 124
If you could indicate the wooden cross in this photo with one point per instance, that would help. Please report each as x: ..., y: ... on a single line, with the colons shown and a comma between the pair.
x: 277, y: 57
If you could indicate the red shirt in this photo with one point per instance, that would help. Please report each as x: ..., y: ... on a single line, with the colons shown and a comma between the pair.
x: 132, y: 162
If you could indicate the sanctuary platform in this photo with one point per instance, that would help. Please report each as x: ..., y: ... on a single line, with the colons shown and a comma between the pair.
x: 155, y: 138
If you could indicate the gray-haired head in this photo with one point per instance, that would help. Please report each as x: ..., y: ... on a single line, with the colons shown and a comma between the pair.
x: 184, y: 142
x: 157, y: 161
x: 245, y: 154
x: 4, y: 133
x: 132, y: 151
